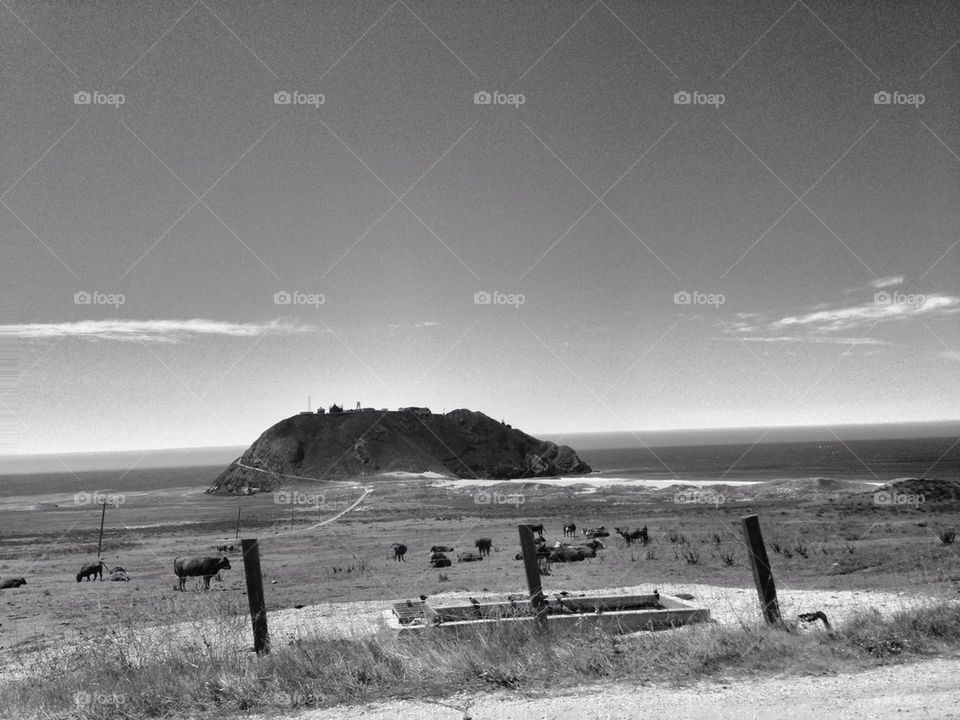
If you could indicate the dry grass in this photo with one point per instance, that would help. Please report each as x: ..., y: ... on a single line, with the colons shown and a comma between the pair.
x: 126, y: 669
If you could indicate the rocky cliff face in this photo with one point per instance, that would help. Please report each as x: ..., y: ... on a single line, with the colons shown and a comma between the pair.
x: 337, y: 446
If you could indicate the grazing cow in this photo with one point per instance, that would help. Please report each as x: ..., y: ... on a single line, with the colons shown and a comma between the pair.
x: 206, y: 567
x: 570, y: 530
x: 568, y: 554
x: 483, y: 545
x: 469, y: 557
x: 119, y: 576
x: 536, y: 529
x: 91, y: 571
x: 12, y: 583
x: 631, y: 536
x: 440, y: 561
x: 596, y: 532
x: 441, y: 549
x: 399, y: 550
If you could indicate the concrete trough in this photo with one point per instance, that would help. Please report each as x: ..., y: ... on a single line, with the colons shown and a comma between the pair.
x: 612, y: 613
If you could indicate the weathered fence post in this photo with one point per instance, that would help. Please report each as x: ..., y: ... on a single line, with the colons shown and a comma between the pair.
x: 532, y: 568
x: 762, y: 575
x: 258, y: 608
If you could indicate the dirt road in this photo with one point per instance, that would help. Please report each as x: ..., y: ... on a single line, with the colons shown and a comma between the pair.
x: 920, y: 690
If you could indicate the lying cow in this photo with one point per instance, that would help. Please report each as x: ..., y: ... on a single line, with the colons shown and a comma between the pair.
x: 483, y: 546
x: 570, y: 554
x: 119, y: 576
x: 205, y: 567
x: 469, y: 557
x: 440, y: 561
x: 91, y: 571
x: 542, y: 552
x: 596, y: 532
x: 12, y: 583
x: 441, y: 549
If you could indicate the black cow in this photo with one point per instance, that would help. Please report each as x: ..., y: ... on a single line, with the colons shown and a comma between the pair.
x: 570, y: 530
x: 224, y: 548
x: 206, y: 567
x: 440, y: 561
x: 436, y: 556
x: 483, y: 545
x: 631, y: 536
x: 441, y: 549
x: 469, y: 557
x: 537, y: 529
x: 91, y: 571
x: 399, y: 550
x: 593, y: 544
x: 12, y: 583
x: 569, y: 554
x: 542, y: 552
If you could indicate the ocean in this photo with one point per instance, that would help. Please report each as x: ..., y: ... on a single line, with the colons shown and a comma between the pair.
x: 862, y: 460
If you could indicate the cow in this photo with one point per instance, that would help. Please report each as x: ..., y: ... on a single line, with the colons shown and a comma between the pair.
x: 483, y: 545
x: 91, y: 571
x: 399, y: 550
x: 542, y: 552
x: 206, y: 567
x: 119, y: 576
x: 436, y: 556
x: 568, y: 554
x: 536, y: 529
x: 596, y: 532
x: 469, y: 557
x: 440, y: 561
x: 570, y: 530
x: 593, y: 545
x: 12, y: 583
x: 441, y: 549
x: 631, y: 536
x: 224, y: 549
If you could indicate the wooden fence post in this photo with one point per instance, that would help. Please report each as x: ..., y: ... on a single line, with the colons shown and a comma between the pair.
x: 532, y: 568
x: 762, y: 575
x: 258, y: 608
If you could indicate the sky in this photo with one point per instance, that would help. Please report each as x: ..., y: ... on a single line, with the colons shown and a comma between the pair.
x: 668, y: 215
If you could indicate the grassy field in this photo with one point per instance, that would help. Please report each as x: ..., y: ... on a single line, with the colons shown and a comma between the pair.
x: 828, y: 541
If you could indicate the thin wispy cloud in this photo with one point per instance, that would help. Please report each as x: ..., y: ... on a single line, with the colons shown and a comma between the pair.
x: 887, y: 281
x: 842, y: 325
x: 156, y: 331
x: 867, y: 314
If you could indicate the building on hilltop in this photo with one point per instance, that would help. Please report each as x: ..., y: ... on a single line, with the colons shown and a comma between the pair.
x: 421, y: 411
x: 334, y: 409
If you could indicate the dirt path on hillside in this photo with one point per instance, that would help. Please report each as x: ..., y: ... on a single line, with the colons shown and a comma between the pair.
x: 922, y: 690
